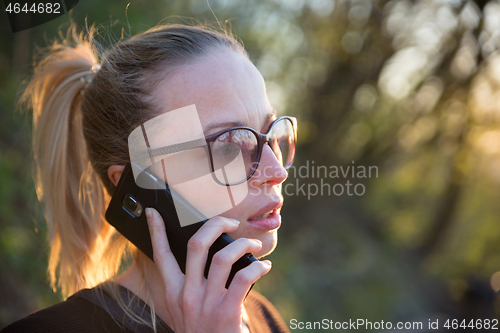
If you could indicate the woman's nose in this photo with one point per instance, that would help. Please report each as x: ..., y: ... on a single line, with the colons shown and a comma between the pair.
x: 270, y: 167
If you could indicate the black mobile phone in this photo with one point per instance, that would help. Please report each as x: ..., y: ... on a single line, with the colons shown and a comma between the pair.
x: 126, y: 213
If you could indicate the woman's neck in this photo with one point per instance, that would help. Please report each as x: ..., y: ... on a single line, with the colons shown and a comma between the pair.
x: 133, y: 280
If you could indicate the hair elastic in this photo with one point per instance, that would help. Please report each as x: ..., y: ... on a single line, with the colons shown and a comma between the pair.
x: 95, y: 68
x: 87, y: 79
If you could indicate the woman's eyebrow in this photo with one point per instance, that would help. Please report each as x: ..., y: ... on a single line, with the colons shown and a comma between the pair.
x: 223, y: 125
x: 269, y: 118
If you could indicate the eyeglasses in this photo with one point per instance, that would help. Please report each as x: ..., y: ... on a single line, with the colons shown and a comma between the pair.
x: 234, y: 153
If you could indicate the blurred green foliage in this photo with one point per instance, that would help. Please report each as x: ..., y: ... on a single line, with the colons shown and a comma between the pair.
x: 409, y: 87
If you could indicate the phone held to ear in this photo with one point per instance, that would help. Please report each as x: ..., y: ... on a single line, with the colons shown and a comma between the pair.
x: 126, y: 213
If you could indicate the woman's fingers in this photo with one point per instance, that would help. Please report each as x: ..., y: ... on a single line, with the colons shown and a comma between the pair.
x: 162, y: 254
x: 197, y: 299
x: 200, y: 242
x: 243, y: 280
x: 223, y: 261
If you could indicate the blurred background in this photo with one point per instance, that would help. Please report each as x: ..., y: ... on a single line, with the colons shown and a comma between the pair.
x: 411, y: 88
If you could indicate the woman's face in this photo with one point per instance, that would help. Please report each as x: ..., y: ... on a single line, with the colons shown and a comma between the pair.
x: 228, y: 90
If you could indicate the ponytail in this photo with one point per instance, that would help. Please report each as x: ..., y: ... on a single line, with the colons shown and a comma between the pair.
x: 67, y: 185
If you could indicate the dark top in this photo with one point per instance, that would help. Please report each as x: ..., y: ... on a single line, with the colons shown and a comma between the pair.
x: 84, y: 312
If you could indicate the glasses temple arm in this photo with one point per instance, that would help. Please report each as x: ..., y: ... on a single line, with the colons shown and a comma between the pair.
x: 166, y: 150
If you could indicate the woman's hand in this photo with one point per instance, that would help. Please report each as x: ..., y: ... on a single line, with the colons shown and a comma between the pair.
x: 196, y: 304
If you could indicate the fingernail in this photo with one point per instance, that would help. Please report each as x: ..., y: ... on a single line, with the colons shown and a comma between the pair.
x: 149, y: 214
x: 236, y: 222
x: 257, y: 241
x: 268, y: 263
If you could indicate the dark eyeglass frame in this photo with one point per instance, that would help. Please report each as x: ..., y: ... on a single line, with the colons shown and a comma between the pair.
x: 262, y: 139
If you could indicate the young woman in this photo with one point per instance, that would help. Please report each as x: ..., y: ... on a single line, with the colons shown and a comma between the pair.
x: 84, y: 109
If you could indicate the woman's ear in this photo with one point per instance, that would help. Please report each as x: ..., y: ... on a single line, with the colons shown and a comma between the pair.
x: 115, y: 172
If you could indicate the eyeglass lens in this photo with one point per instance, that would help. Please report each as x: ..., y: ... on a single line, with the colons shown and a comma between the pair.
x: 235, y: 153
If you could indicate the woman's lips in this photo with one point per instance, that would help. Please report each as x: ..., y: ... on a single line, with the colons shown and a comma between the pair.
x: 271, y: 222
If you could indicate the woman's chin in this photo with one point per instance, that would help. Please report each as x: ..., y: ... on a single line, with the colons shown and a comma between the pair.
x: 269, y: 243
x: 269, y: 239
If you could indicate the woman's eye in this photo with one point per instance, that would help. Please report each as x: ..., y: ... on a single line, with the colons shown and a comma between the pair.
x: 227, y: 149
x: 225, y: 144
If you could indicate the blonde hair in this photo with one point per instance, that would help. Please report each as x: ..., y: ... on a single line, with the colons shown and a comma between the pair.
x: 81, y: 121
